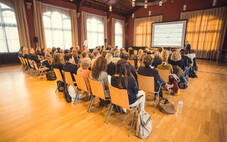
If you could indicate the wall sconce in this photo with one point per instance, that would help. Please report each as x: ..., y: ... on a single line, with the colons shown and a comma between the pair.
x: 184, y: 7
x: 214, y: 3
x: 149, y: 13
x: 29, y: 5
x: 133, y: 15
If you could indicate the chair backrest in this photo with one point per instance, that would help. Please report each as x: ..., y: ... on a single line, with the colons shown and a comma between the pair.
x: 146, y: 83
x: 23, y: 60
x: 132, y: 62
x: 80, y: 82
x: 31, y: 63
x: 58, y: 74
x: 119, y: 97
x: 97, y: 88
x: 164, y: 74
x: 68, y: 78
x: 26, y: 61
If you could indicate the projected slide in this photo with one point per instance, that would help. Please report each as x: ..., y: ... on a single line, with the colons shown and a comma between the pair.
x: 168, y: 34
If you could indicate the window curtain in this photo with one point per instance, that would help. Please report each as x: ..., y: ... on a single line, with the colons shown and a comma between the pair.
x: 40, y: 8
x: 84, y: 17
x: 142, y: 30
x: 206, y: 31
x: 38, y: 24
x: 74, y: 29
x: 83, y: 27
x: 113, y: 32
x: 22, y: 25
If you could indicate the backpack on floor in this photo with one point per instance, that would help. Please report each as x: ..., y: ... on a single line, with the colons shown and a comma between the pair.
x: 50, y: 75
x: 166, y: 107
x: 183, y: 84
x: 66, y: 95
x: 144, y: 125
x: 60, y: 86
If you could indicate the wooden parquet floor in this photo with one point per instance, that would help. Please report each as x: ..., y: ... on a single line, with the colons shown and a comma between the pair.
x: 30, y: 110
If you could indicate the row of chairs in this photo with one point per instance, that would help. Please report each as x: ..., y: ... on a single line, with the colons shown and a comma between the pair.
x: 119, y: 97
x: 32, y: 67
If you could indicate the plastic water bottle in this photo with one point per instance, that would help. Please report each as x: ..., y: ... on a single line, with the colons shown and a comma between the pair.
x: 180, y: 107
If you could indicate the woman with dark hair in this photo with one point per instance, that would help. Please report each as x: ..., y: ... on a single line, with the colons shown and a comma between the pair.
x: 125, y: 80
x: 99, y: 73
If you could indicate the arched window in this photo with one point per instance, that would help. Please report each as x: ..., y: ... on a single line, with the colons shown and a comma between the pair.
x: 118, y: 34
x: 57, y: 30
x: 9, y: 39
x: 95, y: 32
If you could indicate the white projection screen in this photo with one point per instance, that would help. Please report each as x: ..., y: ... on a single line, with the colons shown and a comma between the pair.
x: 168, y: 34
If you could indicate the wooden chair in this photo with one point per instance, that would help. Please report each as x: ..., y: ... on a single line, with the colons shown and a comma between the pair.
x: 164, y: 74
x: 58, y: 74
x: 119, y: 97
x: 146, y: 83
x: 96, y: 90
x: 40, y: 70
x: 69, y: 81
x: 81, y: 83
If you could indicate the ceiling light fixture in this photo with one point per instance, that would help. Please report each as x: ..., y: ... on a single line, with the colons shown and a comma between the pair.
x: 160, y: 3
x: 133, y: 3
x: 145, y: 4
x: 110, y: 8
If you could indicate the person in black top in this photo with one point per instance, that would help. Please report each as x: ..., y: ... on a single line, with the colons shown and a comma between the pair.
x: 110, y: 65
x: 157, y: 59
x: 176, y: 60
x: 69, y: 67
x: 187, y: 46
x: 132, y: 69
x: 149, y: 70
x: 125, y: 80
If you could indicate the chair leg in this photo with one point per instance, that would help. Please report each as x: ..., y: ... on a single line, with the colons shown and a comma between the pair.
x: 132, y: 123
x: 108, y: 112
x: 91, y: 102
x: 156, y: 102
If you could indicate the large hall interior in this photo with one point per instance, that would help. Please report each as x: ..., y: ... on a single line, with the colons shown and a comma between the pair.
x: 113, y: 70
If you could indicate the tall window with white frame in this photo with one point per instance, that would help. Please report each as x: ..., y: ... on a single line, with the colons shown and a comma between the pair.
x: 95, y: 32
x: 57, y: 30
x: 118, y: 34
x: 9, y: 38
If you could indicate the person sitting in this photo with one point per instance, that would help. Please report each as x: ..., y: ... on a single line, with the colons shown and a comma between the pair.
x: 69, y: 67
x: 116, y: 56
x: 110, y: 64
x: 125, y: 80
x: 32, y: 56
x: 84, y: 72
x: 176, y: 60
x: 75, y: 56
x: 58, y: 61
x: 165, y: 65
x: 95, y: 56
x: 149, y: 70
x: 98, y: 73
x: 124, y: 57
x: 157, y: 59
